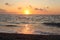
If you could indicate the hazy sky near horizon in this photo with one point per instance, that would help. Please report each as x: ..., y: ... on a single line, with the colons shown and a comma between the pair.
x: 42, y: 6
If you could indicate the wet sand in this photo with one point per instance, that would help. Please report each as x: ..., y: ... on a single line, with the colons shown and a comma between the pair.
x: 14, y: 36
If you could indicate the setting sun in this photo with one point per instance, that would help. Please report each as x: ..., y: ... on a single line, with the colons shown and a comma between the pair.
x: 27, y: 12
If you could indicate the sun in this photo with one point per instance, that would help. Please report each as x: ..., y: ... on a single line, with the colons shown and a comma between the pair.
x: 27, y: 12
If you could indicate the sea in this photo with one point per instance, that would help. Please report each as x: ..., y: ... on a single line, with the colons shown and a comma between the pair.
x: 30, y: 24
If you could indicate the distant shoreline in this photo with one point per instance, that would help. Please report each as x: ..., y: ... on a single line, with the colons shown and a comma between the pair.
x: 33, y: 14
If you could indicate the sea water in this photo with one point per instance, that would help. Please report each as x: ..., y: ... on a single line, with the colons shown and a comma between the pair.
x: 29, y: 24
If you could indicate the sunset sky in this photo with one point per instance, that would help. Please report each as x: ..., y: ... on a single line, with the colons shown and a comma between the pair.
x: 35, y: 6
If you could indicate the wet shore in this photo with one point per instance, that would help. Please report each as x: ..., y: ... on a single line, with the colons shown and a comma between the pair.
x: 14, y: 36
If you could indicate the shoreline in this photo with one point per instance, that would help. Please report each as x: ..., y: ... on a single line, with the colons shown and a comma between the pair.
x: 14, y: 36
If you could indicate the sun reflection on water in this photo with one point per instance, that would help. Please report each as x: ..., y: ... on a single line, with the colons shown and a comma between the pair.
x: 26, y: 29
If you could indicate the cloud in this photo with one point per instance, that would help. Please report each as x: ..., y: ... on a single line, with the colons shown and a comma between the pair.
x: 47, y: 7
x: 30, y: 6
x: 39, y: 9
x: 19, y: 8
x: 2, y: 10
x: 36, y: 9
x: 42, y: 9
x: 7, y: 4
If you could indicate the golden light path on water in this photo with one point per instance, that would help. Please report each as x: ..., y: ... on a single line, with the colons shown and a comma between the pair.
x: 26, y: 29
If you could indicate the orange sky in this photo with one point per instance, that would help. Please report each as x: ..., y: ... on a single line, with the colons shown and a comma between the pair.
x: 34, y: 6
